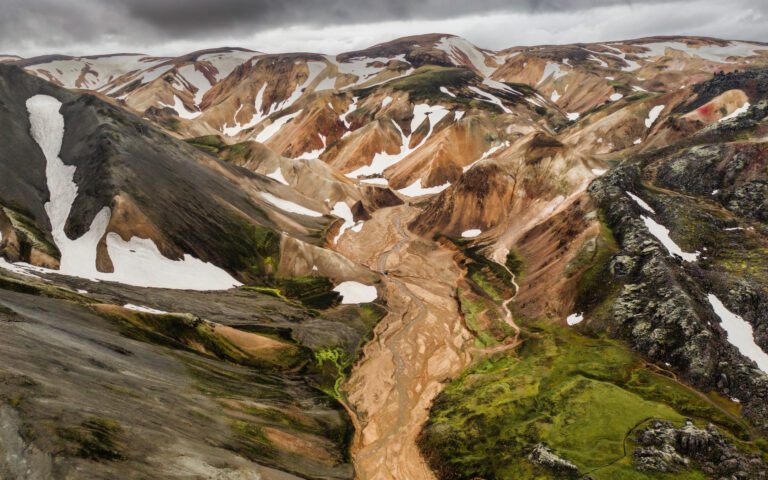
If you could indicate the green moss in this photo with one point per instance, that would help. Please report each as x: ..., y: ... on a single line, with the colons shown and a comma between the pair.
x: 194, y: 334
x: 311, y: 292
x: 583, y: 397
x: 36, y: 287
x: 425, y: 82
x: 515, y: 264
x: 30, y: 235
x: 596, y: 283
x: 338, y: 359
x: 96, y: 439
x: 253, y: 442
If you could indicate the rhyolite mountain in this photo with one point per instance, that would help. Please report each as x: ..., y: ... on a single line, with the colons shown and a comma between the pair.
x: 419, y: 260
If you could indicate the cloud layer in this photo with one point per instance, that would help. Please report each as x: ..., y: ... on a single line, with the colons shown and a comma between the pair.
x: 34, y: 27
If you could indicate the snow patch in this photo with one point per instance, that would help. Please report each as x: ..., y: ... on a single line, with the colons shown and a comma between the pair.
x: 551, y: 70
x: 653, y: 115
x: 616, y: 96
x: 490, y: 98
x: 739, y: 111
x: 575, y: 319
x: 457, y: 47
x: 181, y: 110
x: 447, y: 92
x: 143, y: 309
x: 572, y: 116
x: 739, y: 333
x: 416, y: 190
x: 381, y: 161
x: 472, y: 233
x: 640, y: 202
x: 275, y: 126
x: 356, y: 292
x: 278, y: 175
x: 342, y: 210
x: 662, y: 234
x: 555, y: 96
x: 289, y: 206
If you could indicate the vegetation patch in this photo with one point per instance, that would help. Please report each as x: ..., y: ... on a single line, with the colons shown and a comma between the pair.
x: 95, y: 439
x: 583, y: 397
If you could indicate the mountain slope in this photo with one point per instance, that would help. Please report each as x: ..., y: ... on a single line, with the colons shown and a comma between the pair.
x: 430, y: 260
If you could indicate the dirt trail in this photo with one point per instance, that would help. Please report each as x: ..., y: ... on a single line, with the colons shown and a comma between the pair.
x: 420, y: 344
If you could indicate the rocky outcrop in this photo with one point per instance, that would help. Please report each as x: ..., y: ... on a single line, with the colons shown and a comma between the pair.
x: 663, y: 448
x: 543, y: 456
x: 661, y: 307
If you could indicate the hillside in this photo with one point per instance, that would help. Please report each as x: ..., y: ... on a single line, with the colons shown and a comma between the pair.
x: 422, y: 260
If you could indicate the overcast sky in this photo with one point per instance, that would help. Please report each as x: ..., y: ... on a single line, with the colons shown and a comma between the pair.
x: 173, y: 27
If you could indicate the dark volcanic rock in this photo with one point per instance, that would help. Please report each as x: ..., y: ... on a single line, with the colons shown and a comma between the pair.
x: 543, y: 456
x: 666, y: 449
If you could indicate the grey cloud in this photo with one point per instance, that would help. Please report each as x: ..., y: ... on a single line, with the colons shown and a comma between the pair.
x: 46, y: 26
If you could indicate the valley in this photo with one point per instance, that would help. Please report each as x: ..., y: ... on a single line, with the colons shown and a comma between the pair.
x: 420, y: 260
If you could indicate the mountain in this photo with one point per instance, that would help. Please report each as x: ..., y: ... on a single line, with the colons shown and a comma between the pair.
x: 423, y: 259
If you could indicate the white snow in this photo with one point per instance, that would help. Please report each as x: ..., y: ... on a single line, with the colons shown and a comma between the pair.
x: 551, y: 70
x: 616, y: 96
x: 457, y: 115
x: 610, y: 78
x: 638, y: 89
x: 136, y: 262
x: 352, y: 108
x: 653, y: 115
x: 662, y: 234
x: 555, y: 96
x: 416, y: 190
x: 260, y: 113
x: 600, y: 61
x: 226, y: 62
x: 196, y: 78
x: 275, y: 126
x: 739, y: 111
x: 485, y: 155
x: 640, y: 202
x: 574, y: 319
x: 447, y: 92
x: 18, y: 268
x: 714, y: 53
x: 289, y: 206
x: 472, y: 233
x: 572, y: 116
x: 457, y: 47
x: 386, y: 101
x: 490, y: 98
x: 739, y: 333
x: 181, y: 110
x: 637, y: 141
x: 143, y: 309
x: 734, y: 229
x: 381, y: 161
x: 599, y: 171
x: 356, y: 292
x: 97, y: 72
x: 342, y: 210
x: 278, y: 175
x: 364, y: 68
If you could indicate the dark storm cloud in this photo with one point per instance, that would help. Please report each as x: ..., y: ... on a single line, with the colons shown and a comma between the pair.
x: 56, y: 21
x: 32, y: 27
x: 193, y: 15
